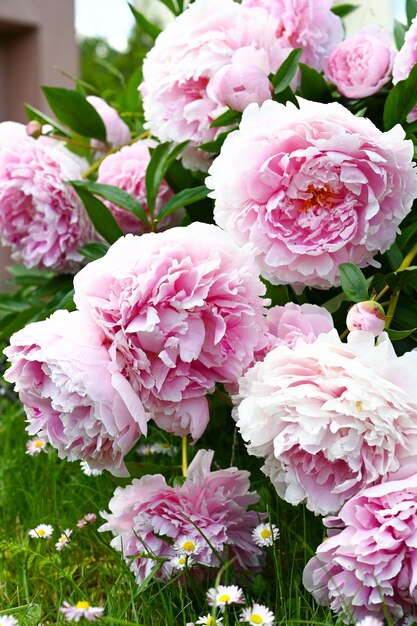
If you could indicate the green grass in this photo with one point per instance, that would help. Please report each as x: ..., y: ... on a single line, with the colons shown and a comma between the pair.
x: 35, y: 579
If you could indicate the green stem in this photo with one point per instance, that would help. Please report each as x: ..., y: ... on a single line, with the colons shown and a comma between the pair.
x: 97, y: 163
x: 408, y: 259
x: 184, y: 463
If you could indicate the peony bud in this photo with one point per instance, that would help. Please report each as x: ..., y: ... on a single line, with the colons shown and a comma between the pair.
x: 238, y: 85
x: 34, y: 129
x: 368, y: 316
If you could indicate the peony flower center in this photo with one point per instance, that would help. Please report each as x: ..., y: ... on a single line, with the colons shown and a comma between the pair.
x: 321, y: 197
x: 225, y: 597
x: 41, y: 532
x: 256, y: 619
x: 38, y: 443
x: 82, y: 604
x: 188, y: 546
x: 265, y: 533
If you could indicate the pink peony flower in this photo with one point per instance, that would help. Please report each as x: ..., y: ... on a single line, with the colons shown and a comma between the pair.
x: 368, y: 316
x: 362, y: 64
x: 369, y: 567
x: 209, y: 508
x: 287, y: 324
x: 181, y: 93
x: 405, y: 61
x: 306, y: 24
x: 182, y: 310
x: 117, y: 130
x: 329, y: 418
x: 126, y: 169
x: 73, y: 395
x: 311, y: 188
x: 41, y: 217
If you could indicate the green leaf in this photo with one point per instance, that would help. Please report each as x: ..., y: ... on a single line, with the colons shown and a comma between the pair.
x: 286, y: 72
x: 411, y: 10
x: 227, y: 119
x: 354, y: 283
x: 102, y: 219
x: 182, y: 199
x: 12, y: 323
x: 286, y: 96
x: 344, y: 9
x: 171, y: 6
x: 396, y: 335
x: 161, y: 158
x: 34, y: 114
x: 113, y: 194
x: 399, y: 34
x: 93, y: 251
x: 73, y: 110
x: 401, y: 278
x: 400, y: 101
x: 313, y: 85
x: 216, y: 145
x: 144, y: 24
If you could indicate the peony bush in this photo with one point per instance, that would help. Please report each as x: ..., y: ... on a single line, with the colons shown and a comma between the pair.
x: 217, y: 271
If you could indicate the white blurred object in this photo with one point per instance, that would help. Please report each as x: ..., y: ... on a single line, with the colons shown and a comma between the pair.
x: 377, y: 12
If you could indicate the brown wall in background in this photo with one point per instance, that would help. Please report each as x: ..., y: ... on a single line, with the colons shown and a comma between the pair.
x: 36, y: 37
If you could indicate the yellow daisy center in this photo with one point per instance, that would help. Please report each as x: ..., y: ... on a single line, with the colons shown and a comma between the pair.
x: 225, y: 597
x: 256, y: 619
x: 62, y: 539
x: 182, y: 560
x: 41, y: 532
x: 265, y: 534
x: 82, y: 604
x: 188, y: 546
x: 39, y: 443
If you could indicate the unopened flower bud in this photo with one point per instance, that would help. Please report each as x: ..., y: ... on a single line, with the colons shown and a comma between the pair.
x: 368, y: 316
x: 34, y: 129
x: 237, y: 86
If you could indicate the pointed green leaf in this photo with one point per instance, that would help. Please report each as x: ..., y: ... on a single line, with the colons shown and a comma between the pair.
x: 150, y: 29
x: 161, y: 158
x: 342, y: 10
x: 313, y: 85
x: 34, y: 114
x: 401, y: 99
x: 73, y: 110
x: 396, y: 335
x: 182, y: 199
x: 411, y: 10
x: 354, y: 283
x: 227, y: 119
x: 94, y: 250
x: 399, y: 34
x: 286, y: 72
x: 102, y: 219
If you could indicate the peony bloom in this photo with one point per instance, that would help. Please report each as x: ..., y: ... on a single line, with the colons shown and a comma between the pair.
x: 182, y: 310
x: 148, y: 517
x: 287, y: 324
x: 73, y: 395
x: 182, y: 93
x: 126, y: 169
x: 312, y: 188
x: 117, y: 131
x: 368, y: 316
x: 73, y: 613
x: 405, y: 61
x: 329, y: 418
x: 362, y: 64
x: 306, y: 24
x: 41, y: 217
x: 369, y: 567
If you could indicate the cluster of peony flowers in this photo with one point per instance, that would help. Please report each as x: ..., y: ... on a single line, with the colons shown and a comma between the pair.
x: 41, y: 217
x: 311, y: 188
x: 157, y: 523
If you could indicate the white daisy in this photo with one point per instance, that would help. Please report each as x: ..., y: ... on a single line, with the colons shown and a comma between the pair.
x: 181, y: 562
x: 43, y: 531
x: 74, y: 613
x: 224, y: 595
x: 35, y: 446
x: 209, y: 620
x: 373, y: 621
x: 257, y: 614
x: 8, y: 620
x: 187, y: 545
x: 89, y: 471
x: 144, y: 450
x: 265, y: 534
x: 64, y: 539
x: 163, y: 448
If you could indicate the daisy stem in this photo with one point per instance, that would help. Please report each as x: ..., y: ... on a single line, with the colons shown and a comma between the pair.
x: 184, y: 462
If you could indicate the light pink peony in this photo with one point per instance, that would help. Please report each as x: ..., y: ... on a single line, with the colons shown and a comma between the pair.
x: 361, y: 64
x: 41, y: 217
x: 126, y: 169
x: 369, y: 567
x: 287, y: 324
x: 73, y: 395
x: 368, y: 316
x: 117, y: 131
x: 306, y: 24
x: 405, y: 61
x: 311, y: 188
x: 210, y: 509
x: 182, y: 310
x: 329, y: 418
x: 179, y: 88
